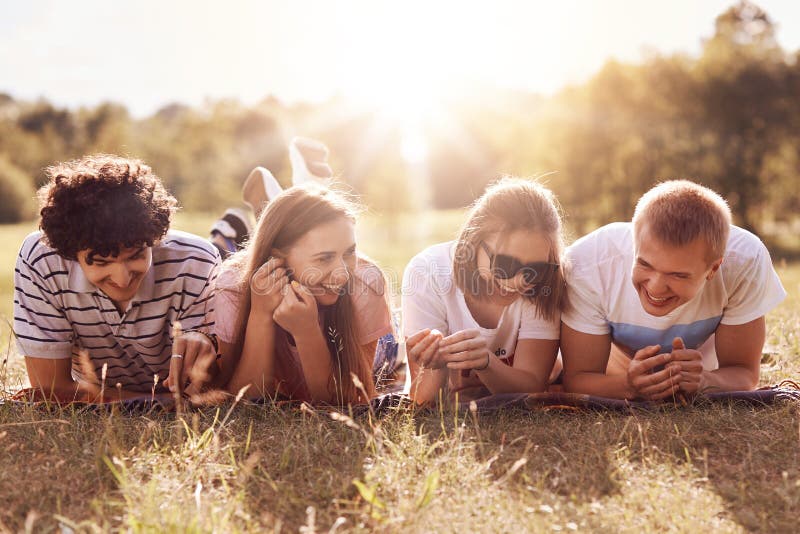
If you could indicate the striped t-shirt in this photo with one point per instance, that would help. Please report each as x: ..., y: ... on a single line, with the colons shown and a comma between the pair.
x: 57, y: 311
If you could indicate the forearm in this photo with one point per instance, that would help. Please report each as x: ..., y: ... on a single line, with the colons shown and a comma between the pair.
x: 730, y: 378
x: 62, y: 389
x: 316, y: 362
x: 502, y: 378
x: 738, y: 349
x: 599, y: 384
x: 256, y: 365
x: 226, y: 363
x: 426, y: 384
x: 52, y: 378
x: 92, y: 393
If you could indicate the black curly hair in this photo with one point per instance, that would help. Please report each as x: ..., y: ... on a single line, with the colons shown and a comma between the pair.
x: 103, y: 203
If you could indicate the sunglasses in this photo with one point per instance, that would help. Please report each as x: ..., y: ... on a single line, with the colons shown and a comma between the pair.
x: 505, y: 267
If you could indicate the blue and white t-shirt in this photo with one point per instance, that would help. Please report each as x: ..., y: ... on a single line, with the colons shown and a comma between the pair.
x: 603, y: 299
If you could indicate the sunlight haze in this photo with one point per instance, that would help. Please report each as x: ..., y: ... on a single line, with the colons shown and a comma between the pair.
x: 399, y: 57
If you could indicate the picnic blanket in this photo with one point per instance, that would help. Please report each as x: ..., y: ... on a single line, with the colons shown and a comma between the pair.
x: 785, y: 391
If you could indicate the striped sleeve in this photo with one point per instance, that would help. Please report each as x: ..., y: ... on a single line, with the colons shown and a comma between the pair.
x: 198, y: 313
x: 40, y: 327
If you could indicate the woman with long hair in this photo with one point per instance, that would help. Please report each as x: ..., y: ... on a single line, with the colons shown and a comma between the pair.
x: 482, y: 314
x: 298, y: 307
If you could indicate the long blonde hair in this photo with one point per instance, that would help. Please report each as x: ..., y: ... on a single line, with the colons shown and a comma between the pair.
x: 508, y: 205
x: 286, y: 219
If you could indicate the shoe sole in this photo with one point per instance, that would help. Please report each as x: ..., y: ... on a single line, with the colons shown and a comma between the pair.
x: 260, y: 188
x: 308, y: 158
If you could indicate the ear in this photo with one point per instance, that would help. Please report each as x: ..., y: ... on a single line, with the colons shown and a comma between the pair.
x: 714, y: 268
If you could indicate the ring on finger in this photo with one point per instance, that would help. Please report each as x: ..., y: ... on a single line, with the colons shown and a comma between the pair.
x: 177, y: 356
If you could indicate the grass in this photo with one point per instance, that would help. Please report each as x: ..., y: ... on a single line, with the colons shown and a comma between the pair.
x: 722, y: 467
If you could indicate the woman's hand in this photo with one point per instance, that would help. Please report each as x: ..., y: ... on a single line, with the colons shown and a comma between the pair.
x: 466, y: 349
x: 297, y: 312
x: 267, y: 287
x: 423, y: 349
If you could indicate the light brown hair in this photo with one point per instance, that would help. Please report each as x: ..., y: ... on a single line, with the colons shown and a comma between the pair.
x: 679, y: 211
x: 509, y: 205
x: 286, y: 219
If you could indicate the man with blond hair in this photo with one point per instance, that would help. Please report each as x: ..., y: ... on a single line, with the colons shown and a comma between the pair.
x: 673, y: 302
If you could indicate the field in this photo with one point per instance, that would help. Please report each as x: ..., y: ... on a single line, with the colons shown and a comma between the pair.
x: 721, y: 468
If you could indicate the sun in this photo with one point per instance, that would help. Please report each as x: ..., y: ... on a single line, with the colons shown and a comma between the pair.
x: 407, y: 66
x: 398, y: 80
x: 402, y: 83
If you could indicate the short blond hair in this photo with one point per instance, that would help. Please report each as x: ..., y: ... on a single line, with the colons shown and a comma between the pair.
x: 679, y: 211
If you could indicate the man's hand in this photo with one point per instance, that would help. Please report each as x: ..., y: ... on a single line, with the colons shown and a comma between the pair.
x: 194, y: 362
x: 465, y: 350
x: 650, y: 385
x: 423, y: 349
x: 689, y: 363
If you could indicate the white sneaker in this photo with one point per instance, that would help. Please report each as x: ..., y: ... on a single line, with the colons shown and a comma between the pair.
x: 235, y: 223
x: 309, y: 159
x: 230, y: 232
x: 259, y: 189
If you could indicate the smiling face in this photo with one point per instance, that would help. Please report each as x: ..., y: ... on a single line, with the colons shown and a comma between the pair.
x: 525, y: 247
x: 324, y: 258
x: 118, y: 276
x: 667, y: 276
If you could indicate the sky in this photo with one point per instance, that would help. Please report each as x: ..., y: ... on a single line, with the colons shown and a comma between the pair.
x: 145, y: 54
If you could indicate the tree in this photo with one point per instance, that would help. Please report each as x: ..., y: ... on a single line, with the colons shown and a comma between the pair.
x: 17, y: 194
x: 742, y: 73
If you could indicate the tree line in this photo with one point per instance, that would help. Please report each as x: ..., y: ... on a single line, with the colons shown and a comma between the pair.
x: 729, y: 118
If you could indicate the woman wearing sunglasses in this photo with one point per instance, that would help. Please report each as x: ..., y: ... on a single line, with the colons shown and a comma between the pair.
x: 481, y: 314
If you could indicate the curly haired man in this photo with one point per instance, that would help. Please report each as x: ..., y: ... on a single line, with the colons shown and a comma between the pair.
x: 99, y: 290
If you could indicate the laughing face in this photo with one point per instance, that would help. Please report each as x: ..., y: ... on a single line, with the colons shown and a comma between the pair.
x: 509, y: 264
x: 118, y: 276
x: 666, y: 276
x: 324, y: 259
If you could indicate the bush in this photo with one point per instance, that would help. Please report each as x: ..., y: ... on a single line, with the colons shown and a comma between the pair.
x: 17, y: 194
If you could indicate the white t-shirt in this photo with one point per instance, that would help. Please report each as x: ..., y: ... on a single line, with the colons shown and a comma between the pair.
x: 603, y: 299
x: 431, y: 299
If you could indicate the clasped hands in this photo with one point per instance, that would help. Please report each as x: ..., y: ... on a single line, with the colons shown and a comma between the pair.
x: 464, y: 350
x: 653, y: 375
x: 285, y: 301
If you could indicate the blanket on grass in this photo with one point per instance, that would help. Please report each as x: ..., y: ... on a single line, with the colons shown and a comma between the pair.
x: 785, y: 391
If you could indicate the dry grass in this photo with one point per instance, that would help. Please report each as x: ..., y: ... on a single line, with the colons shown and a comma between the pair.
x: 721, y: 467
